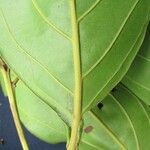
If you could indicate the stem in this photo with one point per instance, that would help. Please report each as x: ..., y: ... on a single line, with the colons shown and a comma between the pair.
x: 13, y: 107
x: 75, y: 129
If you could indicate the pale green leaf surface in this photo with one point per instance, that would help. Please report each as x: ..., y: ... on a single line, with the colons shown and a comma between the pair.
x: 38, y: 117
x: 138, y: 77
x: 36, y: 43
x: 115, y: 126
x: 122, y: 123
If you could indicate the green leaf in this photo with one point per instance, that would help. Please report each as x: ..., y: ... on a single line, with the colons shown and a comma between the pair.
x: 38, y: 42
x: 122, y: 123
x: 137, y: 78
x: 115, y: 126
x: 38, y: 117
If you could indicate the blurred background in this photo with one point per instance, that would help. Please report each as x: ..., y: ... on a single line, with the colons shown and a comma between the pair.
x: 8, y: 135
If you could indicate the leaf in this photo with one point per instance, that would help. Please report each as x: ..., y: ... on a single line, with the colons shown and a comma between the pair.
x: 114, y: 125
x: 39, y: 44
x: 38, y: 117
x: 137, y: 78
x: 122, y: 123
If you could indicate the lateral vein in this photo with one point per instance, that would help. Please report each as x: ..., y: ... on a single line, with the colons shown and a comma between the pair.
x: 21, y: 49
x: 41, y: 14
x: 89, y: 10
x: 137, y: 83
x: 113, y: 41
x: 117, y: 70
x: 129, y: 119
x: 109, y: 131
x: 146, y: 59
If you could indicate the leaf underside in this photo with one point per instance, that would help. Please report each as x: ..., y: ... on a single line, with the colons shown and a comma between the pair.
x: 38, y: 117
x: 122, y: 123
x: 138, y: 77
x: 116, y: 125
x: 36, y: 44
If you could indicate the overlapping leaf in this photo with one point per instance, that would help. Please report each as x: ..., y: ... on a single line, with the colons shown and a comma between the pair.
x: 122, y: 123
x: 138, y: 77
x: 36, y: 42
x: 38, y: 117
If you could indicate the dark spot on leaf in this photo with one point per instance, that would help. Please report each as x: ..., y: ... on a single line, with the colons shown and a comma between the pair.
x: 100, y: 105
x: 2, y: 141
x: 58, y: 6
x: 88, y: 129
x: 5, y: 67
x: 114, y: 90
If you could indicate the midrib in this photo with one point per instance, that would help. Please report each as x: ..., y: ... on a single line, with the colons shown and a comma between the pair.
x: 77, y: 76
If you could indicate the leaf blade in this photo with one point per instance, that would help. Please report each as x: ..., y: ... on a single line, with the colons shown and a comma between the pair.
x: 46, y: 66
x: 137, y: 78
